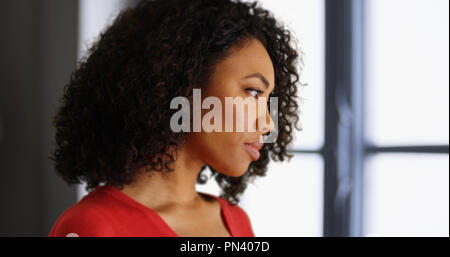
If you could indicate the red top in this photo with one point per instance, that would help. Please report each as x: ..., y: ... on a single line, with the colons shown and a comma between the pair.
x: 106, y: 211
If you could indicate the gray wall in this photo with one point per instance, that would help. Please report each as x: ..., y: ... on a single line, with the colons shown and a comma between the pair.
x: 38, y: 49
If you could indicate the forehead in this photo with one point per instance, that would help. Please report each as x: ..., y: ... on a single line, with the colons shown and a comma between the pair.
x: 249, y: 58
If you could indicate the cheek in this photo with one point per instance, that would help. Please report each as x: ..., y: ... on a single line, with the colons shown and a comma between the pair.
x: 241, y: 116
x: 245, y: 118
x: 225, y: 152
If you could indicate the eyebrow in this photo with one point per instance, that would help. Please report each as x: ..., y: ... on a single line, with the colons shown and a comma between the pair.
x: 260, y: 76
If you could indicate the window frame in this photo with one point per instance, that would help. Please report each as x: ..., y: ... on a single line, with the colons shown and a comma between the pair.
x: 346, y: 149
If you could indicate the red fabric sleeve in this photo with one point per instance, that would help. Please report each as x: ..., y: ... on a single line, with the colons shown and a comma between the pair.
x: 83, y: 222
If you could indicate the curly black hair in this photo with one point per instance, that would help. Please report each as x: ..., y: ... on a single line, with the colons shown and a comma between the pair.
x: 114, y: 116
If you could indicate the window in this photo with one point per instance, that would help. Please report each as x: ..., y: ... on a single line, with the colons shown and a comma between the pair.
x: 407, y: 81
x: 386, y: 118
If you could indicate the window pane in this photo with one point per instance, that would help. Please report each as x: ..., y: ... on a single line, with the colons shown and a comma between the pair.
x: 407, y: 195
x: 306, y: 19
x: 289, y: 200
x: 407, y: 71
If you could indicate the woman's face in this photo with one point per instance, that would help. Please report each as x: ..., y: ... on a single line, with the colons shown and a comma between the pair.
x: 229, y: 152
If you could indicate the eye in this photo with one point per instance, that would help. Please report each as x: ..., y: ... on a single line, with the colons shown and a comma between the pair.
x: 254, y: 92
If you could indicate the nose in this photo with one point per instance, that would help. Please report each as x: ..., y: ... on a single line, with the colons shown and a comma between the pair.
x: 265, y: 123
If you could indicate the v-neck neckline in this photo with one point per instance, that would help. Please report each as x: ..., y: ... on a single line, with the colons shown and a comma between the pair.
x: 224, y: 212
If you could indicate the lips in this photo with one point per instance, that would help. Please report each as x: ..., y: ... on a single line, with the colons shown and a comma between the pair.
x: 253, y: 149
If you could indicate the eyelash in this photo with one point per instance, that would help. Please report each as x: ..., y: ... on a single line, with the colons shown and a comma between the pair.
x: 255, y: 90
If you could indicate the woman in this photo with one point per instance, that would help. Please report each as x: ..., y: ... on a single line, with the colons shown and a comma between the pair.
x: 114, y: 130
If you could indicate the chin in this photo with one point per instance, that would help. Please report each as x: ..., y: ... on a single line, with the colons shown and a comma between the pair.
x: 235, y: 171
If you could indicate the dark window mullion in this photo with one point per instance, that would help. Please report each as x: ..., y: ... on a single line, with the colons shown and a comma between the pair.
x: 337, y: 82
x: 344, y: 145
x: 358, y: 124
x: 305, y: 151
x: 438, y: 149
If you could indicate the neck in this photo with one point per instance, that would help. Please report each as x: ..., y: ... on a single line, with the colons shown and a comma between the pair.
x: 174, y: 188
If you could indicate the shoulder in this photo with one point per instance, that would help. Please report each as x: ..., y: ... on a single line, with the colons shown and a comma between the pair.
x: 238, y: 213
x: 239, y: 217
x: 87, y: 218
